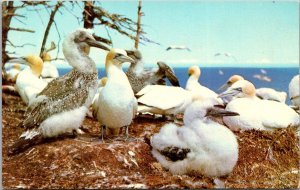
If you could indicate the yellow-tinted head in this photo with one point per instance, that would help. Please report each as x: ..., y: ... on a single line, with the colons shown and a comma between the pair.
x: 234, y: 78
x: 35, y: 63
x: 46, y: 57
x: 117, y: 57
x: 248, y: 88
x: 102, y: 81
x: 194, y: 71
x: 16, y: 66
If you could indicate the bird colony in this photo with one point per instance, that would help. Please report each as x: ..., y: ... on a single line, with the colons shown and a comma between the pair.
x: 201, y: 144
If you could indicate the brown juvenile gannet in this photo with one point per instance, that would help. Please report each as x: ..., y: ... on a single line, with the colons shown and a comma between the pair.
x: 117, y: 104
x: 140, y: 77
x: 62, y: 105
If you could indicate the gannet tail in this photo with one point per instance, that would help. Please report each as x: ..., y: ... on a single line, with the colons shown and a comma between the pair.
x: 27, y: 140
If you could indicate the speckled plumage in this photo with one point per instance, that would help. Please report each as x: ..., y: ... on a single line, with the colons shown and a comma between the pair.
x: 61, y: 94
x: 139, y: 77
x: 62, y: 105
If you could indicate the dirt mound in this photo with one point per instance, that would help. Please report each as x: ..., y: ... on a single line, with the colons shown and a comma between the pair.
x: 266, y: 160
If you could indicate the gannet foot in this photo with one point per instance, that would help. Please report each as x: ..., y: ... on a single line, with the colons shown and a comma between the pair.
x: 103, y: 127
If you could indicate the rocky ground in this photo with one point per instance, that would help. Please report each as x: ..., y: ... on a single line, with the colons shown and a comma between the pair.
x: 266, y: 160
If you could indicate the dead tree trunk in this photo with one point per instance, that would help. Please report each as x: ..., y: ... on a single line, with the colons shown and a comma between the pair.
x: 51, y: 20
x: 8, y: 11
x: 88, y: 14
x: 138, y: 31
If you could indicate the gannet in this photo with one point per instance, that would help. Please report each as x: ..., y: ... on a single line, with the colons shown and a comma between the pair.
x: 178, y: 47
x: 139, y: 77
x: 194, y: 86
x: 62, y: 105
x: 262, y: 77
x: 200, y: 147
x: 294, y: 91
x: 163, y: 100
x: 262, y: 93
x: 50, y: 71
x: 13, y: 72
x: 255, y: 113
x: 271, y: 94
x: 227, y: 55
x: 29, y: 83
x: 117, y: 104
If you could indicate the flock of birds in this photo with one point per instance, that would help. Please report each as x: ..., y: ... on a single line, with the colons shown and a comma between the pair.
x: 204, y: 145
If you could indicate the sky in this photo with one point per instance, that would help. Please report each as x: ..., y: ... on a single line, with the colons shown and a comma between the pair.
x: 252, y: 32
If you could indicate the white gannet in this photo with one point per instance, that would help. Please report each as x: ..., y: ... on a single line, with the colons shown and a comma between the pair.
x: 227, y: 55
x: 262, y: 93
x: 163, y: 100
x: 255, y: 113
x: 182, y: 47
x: 200, y: 147
x: 95, y: 105
x: 271, y: 94
x: 29, y: 83
x: 117, y: 104
x: 139, y: 77
x: 50, y: 71
x: 194, y: 86
x: 13, y: 72
x: 294, y: 91
x: 62, y: 105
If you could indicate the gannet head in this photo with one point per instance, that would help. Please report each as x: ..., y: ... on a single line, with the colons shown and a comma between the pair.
x: 35, y: 63
x: 134, y: 54
x: 117, y: 57
x: 231, y: 80
x: 204, y: 110
x: 16, y: 66
x: 194, y: 71
x: 46, y: 57
x: 241, y: 88
x: 83, y: 40
x: 102, y: 82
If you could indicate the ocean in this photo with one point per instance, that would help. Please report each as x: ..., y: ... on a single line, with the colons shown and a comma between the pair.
x: 214, y: 77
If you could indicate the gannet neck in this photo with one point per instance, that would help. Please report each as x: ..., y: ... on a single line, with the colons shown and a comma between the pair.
x: 137, y: 67
x: 77, y: 58
x: 113, y: 70
x: 37, y: 69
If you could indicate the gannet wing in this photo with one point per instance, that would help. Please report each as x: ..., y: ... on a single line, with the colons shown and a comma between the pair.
x: 169, y: 73
x: 175, y: 153
x: 162, y: 97
x: 50, y: 106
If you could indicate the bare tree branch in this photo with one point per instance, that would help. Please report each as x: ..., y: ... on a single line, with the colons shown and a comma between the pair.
x: 138, y: 30
x: 19, y: 46
x: 51, y: 20
x: 21, y: 29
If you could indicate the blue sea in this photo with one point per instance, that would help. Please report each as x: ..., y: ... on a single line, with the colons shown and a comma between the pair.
x: 214, y: 77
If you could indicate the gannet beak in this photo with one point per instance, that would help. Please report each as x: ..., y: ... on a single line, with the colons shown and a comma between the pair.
x: 20, y: 60
x: 223, y: 87
x: 94, y: 43
x: 230, y: 92
x: 124, y: 58
x: 217, y: 112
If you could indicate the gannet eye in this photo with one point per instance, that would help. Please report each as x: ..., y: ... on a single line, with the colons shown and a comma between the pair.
x: 80, y: 37
x: 118, y: 55
x: 239, y: 89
